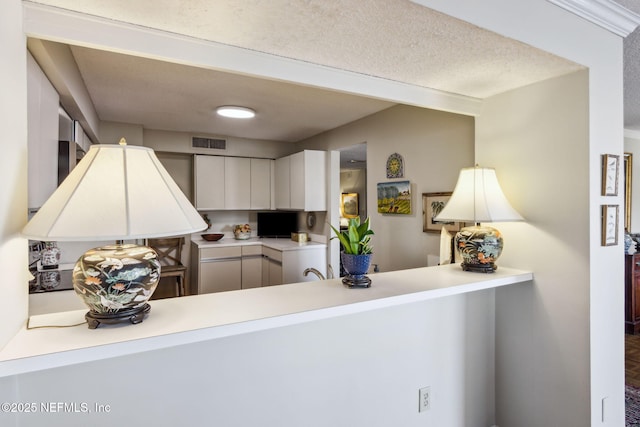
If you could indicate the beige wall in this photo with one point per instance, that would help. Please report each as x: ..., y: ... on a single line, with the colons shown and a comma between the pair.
x: 435, y: 145
x: 536, y: 138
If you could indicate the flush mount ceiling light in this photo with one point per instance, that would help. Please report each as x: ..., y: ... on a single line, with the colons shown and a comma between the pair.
x: 235, y: 112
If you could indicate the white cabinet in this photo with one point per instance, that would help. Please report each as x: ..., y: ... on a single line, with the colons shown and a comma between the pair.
x: 282, y: 183
x: 209, y: 182
x: 261, y: 183
x: 251, y: 266
x: 271, y: 267
x: 245, y: 266
x: 232, y: 183
x: 216, y: 269
x: 295, y: 262
x: 237, y: 183
x: 300, y: 181
x: 43, y: 104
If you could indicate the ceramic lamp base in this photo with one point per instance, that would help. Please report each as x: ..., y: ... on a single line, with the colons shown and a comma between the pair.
x: 133, y: 316
x: 479, y: 246
x: 115, y: 282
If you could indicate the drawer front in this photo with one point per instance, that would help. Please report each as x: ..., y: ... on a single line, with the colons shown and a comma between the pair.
x: 227, y: 252
x: 252, y: 250
x: 272, y: 253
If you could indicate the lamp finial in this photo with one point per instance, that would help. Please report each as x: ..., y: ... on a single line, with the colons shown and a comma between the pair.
x: 123, y: 141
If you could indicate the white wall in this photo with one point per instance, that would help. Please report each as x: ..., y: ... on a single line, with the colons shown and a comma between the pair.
x: 435, y: 145
x: 355, y: 370
x: 536, y: 327
x: 598, y: 334
x: 13, y: 163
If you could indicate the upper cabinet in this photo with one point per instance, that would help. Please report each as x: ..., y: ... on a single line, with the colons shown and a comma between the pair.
x: 232, y: 183
x: 43, y: 103
x: 209, y: 182
x: 300, y: 181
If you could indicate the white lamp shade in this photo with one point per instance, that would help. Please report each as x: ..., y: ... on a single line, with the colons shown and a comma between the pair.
x: 116, y: 192
x: 478, y: 197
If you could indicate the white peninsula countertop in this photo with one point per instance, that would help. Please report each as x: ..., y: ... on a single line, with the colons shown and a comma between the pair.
x: 180, y: 321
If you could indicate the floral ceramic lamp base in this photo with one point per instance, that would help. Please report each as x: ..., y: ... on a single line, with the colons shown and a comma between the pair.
x: 479, y: 246
x: 116, y: 282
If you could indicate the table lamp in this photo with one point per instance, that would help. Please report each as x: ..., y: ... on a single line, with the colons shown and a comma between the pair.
x: 116, y: 192
x: 478, y: 198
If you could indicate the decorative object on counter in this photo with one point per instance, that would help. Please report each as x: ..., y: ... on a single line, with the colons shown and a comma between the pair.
x: 206, y: 219
x: 212, y: 237
x: 356, y: 252
x: 50, y: 256
x: 394, y: 197
x: 242, y: 231
x: 300, y: 237
x: 478, y: 198
x: 49, y: 279
x: 395, y: 166
x: 125, y: 186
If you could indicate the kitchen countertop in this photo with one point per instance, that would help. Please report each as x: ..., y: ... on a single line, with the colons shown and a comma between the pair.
x: 185, y: 320
x: 281, y: 244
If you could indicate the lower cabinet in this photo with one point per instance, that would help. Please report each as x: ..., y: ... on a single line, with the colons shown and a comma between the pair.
x: 251, y: 267
x: 271, y: 267
x: 219, y: 270
x: 231, y: 268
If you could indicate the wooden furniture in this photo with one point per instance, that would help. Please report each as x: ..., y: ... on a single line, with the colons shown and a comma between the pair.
x: 169, y: 252
x: 632, y: 294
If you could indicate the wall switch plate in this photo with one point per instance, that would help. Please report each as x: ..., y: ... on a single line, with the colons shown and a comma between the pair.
x: 424, y: 396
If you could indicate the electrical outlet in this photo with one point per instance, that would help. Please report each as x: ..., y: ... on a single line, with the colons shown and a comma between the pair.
x: 424, y: 396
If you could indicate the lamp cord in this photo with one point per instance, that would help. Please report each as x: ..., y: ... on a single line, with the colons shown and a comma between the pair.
x: 52, y: 326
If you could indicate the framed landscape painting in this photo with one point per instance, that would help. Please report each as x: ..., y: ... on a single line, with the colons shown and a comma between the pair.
x: 394, y: 197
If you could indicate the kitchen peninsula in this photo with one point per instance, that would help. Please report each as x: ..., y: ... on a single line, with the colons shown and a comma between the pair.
x: 201, y: 318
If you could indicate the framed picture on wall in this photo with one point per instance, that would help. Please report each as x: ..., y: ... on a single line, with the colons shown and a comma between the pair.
x: 350, y: 205
x: 609, y: 225
x: 610, y: 166
x: 432, y: 205
x: 394, y: 197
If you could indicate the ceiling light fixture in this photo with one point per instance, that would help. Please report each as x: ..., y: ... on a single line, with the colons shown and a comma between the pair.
x: 235, y: 112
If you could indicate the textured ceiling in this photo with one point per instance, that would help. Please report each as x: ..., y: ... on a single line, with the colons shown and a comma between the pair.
x: 392, y: 39
x: 631, y: 71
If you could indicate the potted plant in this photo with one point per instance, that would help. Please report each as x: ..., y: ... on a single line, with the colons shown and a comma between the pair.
x: 356, y: 251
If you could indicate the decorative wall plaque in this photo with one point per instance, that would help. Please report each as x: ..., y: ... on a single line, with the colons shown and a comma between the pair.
x: 395, y: 166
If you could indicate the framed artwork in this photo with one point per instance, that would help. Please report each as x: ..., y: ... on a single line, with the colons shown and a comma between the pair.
x: 609, y: 225
x: 628, y: 168
x: 395, y: 166
x: 350, y: 205
x: 610, y: 166
x: 432, y: 205
x: 394, y: 197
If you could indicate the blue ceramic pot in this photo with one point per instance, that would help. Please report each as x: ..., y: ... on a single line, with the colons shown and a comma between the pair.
x: 356, y: 266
